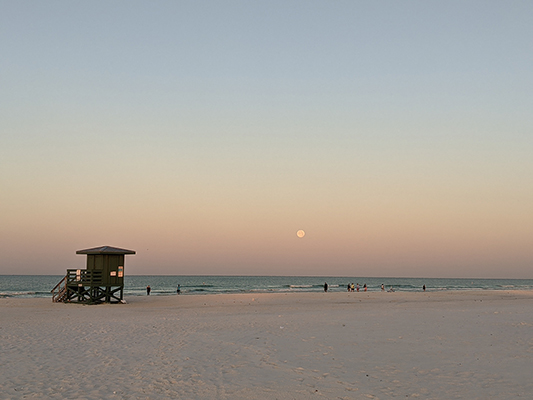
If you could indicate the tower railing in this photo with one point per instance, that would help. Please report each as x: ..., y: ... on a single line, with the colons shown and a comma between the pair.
x: 84, y: 277
x: 82, y: 284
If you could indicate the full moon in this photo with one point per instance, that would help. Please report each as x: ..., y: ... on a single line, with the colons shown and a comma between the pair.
x: 300, y: 233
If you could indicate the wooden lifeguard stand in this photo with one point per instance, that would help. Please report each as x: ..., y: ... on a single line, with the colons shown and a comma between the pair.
x: 102, y: 281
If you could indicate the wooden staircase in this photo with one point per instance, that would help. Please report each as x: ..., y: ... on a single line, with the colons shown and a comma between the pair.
x: 59, y: 292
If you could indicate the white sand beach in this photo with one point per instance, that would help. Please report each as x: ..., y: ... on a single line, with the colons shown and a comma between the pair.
x: 445, y: 345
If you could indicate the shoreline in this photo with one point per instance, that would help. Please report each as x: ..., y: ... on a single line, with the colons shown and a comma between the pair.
x: 456, y: 294
x: 33, y: 286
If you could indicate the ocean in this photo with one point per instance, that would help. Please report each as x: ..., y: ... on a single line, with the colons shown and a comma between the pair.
x: 24, y: 286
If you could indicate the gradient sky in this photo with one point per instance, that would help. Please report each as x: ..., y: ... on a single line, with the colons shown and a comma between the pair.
x: 204, y: 134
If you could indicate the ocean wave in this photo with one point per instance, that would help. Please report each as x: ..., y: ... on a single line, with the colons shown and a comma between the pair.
x: 20, y: 294
x: 39, y: 286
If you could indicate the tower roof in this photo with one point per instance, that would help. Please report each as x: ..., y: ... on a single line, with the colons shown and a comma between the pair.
x: 105, y: 250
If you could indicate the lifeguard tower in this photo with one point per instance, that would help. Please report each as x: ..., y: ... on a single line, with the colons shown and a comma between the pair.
x: 102, y: 281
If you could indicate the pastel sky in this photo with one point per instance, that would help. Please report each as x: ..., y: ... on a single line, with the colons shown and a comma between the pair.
x: 204, y: 134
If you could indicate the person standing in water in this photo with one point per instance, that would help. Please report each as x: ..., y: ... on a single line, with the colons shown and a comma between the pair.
x: 325, y: 286
x: 148, y: 290
x: 178, y: 290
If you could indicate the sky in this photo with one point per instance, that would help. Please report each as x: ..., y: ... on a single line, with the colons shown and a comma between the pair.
x: 205, y: 134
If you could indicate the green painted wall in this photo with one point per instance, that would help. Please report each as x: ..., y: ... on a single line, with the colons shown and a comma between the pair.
x: 111, y: 265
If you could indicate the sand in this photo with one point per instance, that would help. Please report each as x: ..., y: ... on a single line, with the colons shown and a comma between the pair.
x: 445, y: 345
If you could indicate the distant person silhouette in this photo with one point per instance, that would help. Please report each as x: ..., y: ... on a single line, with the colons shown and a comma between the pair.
x: 325, y: 286
x: 148, y: 290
